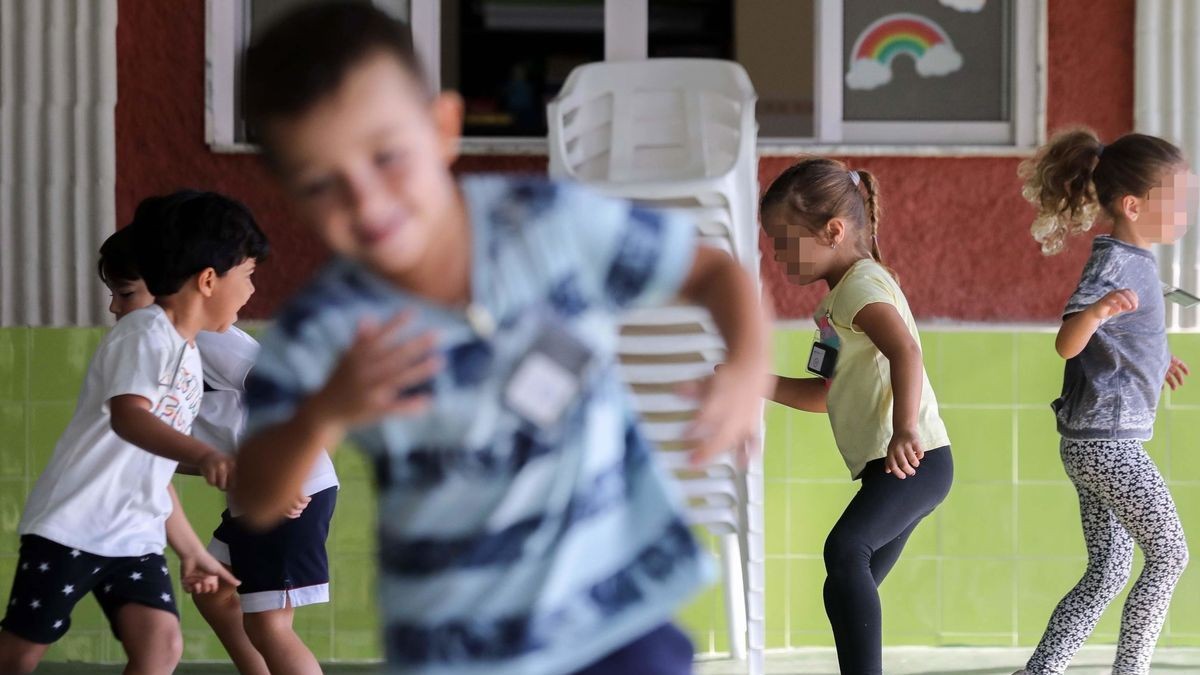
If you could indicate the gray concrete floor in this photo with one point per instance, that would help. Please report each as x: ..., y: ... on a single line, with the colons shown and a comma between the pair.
x: 897, y: 661
x: 951, y: 661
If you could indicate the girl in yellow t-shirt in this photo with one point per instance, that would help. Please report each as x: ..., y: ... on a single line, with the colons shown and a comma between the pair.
x: 823, y: 220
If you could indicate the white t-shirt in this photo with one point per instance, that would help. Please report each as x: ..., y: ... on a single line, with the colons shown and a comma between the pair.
x: 99, y: 493
x: 228, y: 358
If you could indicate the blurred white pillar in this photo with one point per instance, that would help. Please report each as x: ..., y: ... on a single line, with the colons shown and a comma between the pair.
x: 58, y: 95
x: 1167, y: 104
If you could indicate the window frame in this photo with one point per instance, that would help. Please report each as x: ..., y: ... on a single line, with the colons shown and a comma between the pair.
x: 226, y: 31
x: 1027, y: 99
x: 626, y: 36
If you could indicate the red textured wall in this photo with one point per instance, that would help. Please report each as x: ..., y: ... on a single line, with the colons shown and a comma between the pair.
x: 160, y: 137
x: 956, y: 230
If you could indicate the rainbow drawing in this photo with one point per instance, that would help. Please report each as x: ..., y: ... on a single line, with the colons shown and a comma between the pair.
x: 896, y: 34
x: 892, y: 36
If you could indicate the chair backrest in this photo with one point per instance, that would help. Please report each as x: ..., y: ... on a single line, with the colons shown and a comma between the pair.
x: 680, y: 134
x: 677, y: 134
x: 659, y: 119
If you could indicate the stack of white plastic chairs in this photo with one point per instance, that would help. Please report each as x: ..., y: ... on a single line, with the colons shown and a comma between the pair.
x: 680, y: 134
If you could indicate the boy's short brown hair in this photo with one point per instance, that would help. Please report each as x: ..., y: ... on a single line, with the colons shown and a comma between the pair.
x: 306, y: 55
x: 117, y: 264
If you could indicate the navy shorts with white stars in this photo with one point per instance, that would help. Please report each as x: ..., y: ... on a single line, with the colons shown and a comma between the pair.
x: 52, y: 578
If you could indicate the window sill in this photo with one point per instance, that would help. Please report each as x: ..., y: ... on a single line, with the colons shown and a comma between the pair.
x: 234, y: 148
x: 778, y: 148
x: 469, y: 146
x: 770, y: 147
x: 766, y: 148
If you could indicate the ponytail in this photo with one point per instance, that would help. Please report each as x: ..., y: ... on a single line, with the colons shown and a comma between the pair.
x: 1075, y: 177
x: 870, y: 193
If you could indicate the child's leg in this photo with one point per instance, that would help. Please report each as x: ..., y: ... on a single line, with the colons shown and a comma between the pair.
x: 885, y: 558
x: 151, y: 638
x: 19, y: 656
x: 1143, y: 504
x: 1126, y: 488
x: 139, y: 601
x: 883, y: 512
x: 1110, y: 555
x: 282, y: 569
x: 50, y: 580
x: 272, y: 635
x: 223, y: 612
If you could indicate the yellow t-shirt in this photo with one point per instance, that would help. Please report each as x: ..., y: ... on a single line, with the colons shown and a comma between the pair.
x: 860, y: 393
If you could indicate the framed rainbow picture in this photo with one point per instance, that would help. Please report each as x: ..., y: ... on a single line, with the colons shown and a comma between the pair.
x: 895, y: 35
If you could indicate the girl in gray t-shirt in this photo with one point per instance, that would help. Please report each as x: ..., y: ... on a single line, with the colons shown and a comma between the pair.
x: 1114, y: 340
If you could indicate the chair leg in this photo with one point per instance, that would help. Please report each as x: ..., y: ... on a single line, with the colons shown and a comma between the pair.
x: 755, y: 659
x: 735, y: 594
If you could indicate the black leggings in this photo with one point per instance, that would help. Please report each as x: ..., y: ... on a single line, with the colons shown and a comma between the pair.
x: 865, y: 544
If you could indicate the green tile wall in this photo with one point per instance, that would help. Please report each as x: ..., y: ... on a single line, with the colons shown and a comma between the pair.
x: 985, y: 569
x: 989, y: 566
x: 40, y: 374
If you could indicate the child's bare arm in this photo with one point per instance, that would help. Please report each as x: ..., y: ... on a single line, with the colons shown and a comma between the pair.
x: 275, y: 462
x: 201, y: 572
x: 802, y: 393
x: 886, y: 328
x: 1079, y: 328
x: 133, y: 421
x: 366, y: 386
x: 180, y: 534
x: 731, y: 410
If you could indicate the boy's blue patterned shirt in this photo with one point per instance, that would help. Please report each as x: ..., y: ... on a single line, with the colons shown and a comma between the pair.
x: 506, y: 547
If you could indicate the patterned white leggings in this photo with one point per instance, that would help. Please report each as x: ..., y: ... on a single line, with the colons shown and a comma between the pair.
x: 1122, y: 499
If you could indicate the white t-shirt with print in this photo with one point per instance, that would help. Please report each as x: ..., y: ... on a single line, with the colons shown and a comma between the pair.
x: 228, y: 358
x: 99, y: 493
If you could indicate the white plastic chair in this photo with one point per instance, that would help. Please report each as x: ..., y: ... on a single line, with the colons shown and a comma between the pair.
x: 671, y: 315
x: 715, y: 496
x: 663, y: 130
x: 713, y: 493
x: 680, y: 134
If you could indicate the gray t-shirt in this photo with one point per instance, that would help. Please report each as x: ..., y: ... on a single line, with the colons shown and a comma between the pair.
x: 1111, y: 389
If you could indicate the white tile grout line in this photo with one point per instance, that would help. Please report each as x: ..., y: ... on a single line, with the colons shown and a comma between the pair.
x: 28, y: 339
x: 787, y: 576
x: 1015, y: 506
x: 953, y: 326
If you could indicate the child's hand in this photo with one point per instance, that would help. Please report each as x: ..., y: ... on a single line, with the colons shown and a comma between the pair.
x: 730, y: 411
x: 370, y: 380
x: 202, y: 573
x: 1176, y: 372
x: 297, y: 507
x: 1114, y: 304
x: 217, y: 468
x: 904, y: 455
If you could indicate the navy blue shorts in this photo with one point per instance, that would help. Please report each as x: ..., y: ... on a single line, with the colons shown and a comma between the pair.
x: 663, y: 651
x: 284, y: 566
x: 51, y: 579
